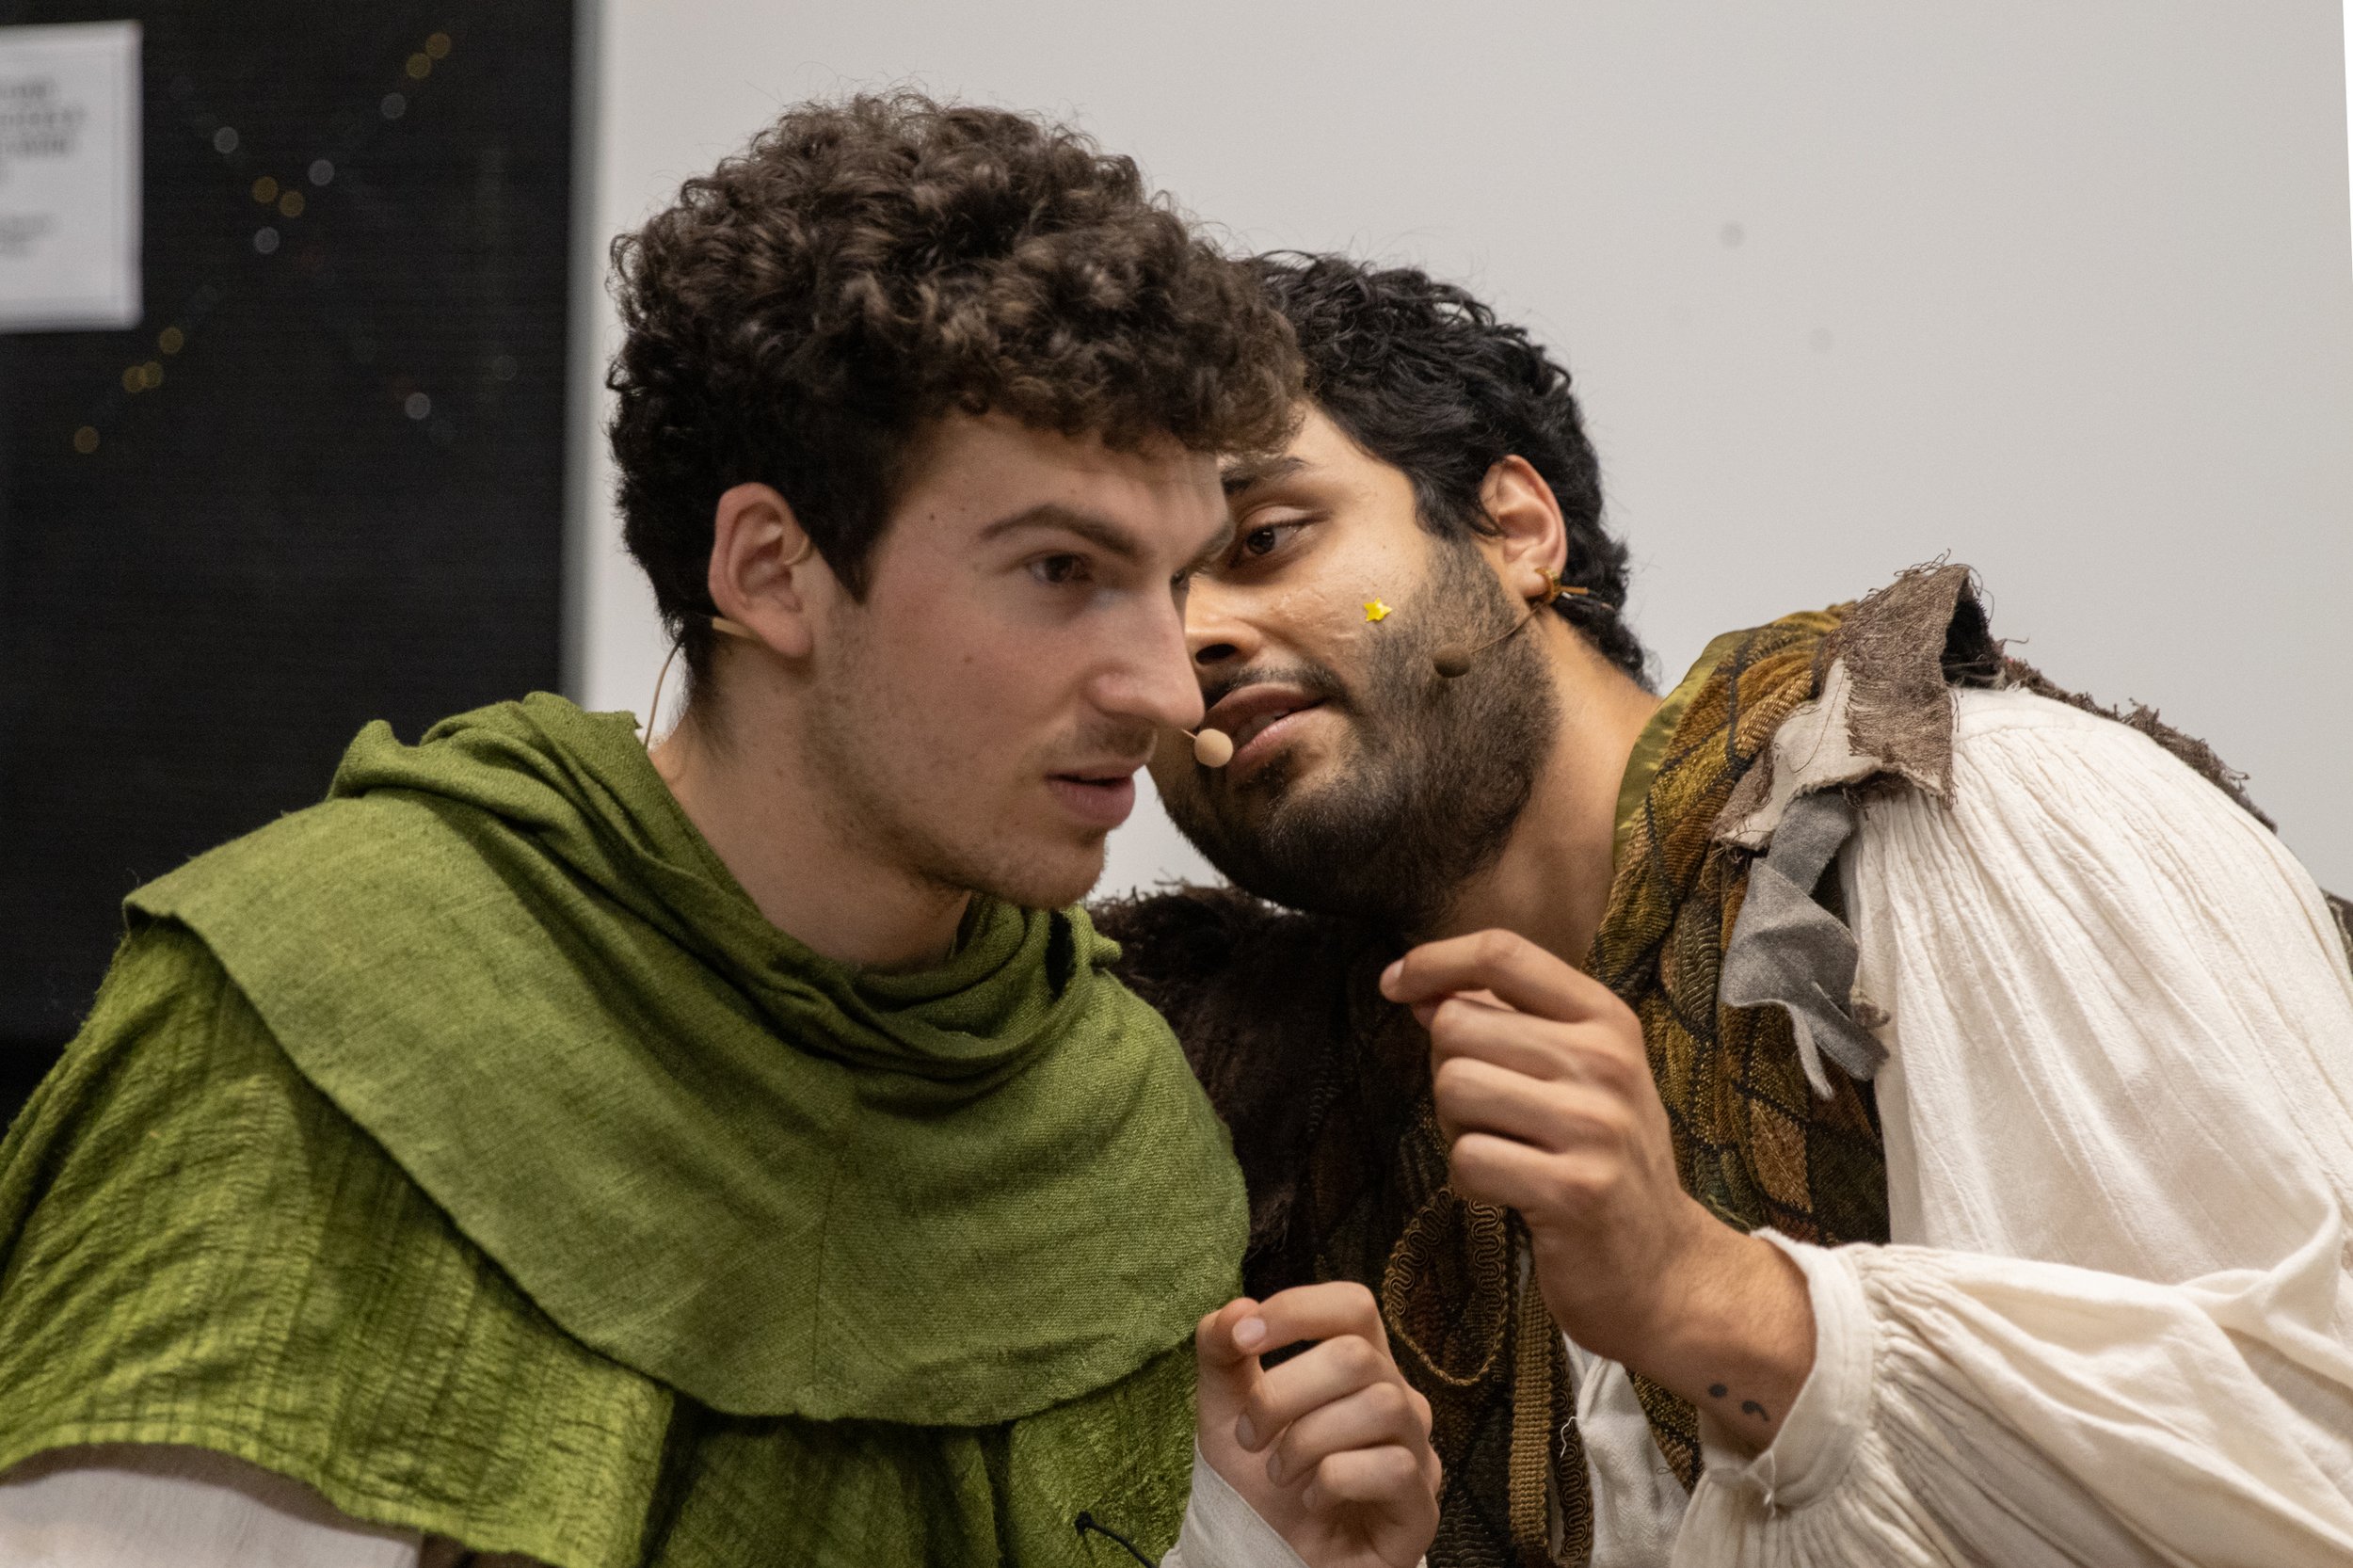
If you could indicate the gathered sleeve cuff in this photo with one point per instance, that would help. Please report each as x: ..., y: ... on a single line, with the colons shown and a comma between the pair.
x: 1223, y: 1530
x: 1816, y: 1445
x: 1969, y: 1408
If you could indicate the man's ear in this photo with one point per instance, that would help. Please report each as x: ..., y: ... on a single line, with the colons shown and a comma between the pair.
x: 1529, y: 537
x: 765, y: 570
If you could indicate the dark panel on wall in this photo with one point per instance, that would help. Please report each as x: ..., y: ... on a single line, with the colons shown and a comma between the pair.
x: 321, y: 483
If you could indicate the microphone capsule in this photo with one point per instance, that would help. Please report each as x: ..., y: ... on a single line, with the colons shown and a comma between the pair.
x: 1451, y: 661
x: 1213, y: 748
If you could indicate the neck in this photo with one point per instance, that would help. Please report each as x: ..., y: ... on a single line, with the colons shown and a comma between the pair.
x: 753, y: 795
x: 1551, y: 882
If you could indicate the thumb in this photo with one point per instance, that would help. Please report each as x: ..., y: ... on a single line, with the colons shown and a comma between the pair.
x: 1228, y: 1374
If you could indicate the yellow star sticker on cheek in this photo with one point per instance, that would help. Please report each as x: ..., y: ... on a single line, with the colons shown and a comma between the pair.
x: 1375, y: 610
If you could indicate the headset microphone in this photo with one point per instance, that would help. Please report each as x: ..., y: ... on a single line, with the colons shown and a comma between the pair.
x: 1211, y: 748
x: 1452, y: 660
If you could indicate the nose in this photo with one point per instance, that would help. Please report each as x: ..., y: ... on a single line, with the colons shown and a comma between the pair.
x: 1216, y: 634
x: 1152, y: 678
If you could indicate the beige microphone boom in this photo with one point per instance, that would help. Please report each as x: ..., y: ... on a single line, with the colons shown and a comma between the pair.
x: 1452, y: 661
x: 1211, y: 748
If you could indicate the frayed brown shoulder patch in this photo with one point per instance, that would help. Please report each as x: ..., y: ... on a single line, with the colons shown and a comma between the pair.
x: 1904, y: 649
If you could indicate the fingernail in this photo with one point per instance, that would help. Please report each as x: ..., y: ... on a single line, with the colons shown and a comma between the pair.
x: 1275, y: 1468
x: 1389, y: 976
x: 1250, y: 1333
x: 1244, y: 1434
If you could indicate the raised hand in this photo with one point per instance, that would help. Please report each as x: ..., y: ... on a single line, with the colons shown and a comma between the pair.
x: 1331, y: 1447
x: 1543, y: 1091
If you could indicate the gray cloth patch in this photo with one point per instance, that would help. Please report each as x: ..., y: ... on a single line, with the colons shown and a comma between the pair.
x: 1788, y: 950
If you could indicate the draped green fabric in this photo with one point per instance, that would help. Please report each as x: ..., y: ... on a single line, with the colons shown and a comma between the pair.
x: 197, y: 1247
x: 778, y: 1184
x: 469, y: 1148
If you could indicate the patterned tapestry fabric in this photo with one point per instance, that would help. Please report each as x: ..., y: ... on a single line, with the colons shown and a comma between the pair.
x: 197, y: 1247
x: 1752, y: 1140
x: 1471, y: 1332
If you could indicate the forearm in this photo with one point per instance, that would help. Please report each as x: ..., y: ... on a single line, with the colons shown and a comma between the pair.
x: 1732, y: 1331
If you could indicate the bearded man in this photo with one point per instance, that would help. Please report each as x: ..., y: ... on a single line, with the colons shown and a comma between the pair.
x: 1865, y: 1107
x: 551, y: 1151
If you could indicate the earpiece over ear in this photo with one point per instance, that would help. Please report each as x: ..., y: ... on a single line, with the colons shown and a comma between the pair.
x: 725, y: 627
x: 1453, y: 659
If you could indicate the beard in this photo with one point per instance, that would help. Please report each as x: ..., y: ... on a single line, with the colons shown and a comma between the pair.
x: 1442, y: 771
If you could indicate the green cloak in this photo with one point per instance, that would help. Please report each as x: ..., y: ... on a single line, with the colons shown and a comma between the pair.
x: 470, y: 1148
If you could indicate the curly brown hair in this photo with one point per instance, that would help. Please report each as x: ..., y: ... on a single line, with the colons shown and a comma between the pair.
x: 866, y: 266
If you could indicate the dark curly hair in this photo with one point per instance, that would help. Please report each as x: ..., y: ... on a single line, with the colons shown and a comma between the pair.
x: 866, y: 266
x: 1423, y: 377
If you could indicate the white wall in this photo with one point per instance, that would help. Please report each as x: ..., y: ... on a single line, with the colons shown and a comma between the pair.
x: 2061, y: 289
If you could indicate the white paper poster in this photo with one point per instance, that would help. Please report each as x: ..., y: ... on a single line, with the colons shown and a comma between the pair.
x: 68, y: 176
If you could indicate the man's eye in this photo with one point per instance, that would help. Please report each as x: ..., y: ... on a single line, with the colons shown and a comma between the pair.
x: 1266, y: 538
x: 1056, y: 571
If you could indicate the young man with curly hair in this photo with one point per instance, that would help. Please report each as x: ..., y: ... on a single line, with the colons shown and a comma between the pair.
x: 556, y: 1150
x: 1866, y: 1107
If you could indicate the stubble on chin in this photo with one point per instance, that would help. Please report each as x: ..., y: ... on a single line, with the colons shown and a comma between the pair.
x: 1037, y: 865
x: 1019, y: 875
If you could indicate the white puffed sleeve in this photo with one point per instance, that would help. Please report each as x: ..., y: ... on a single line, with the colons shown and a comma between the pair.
x: 143, y: 1505
x: 2118, y: 1328
x: 146, y: 1505
x: 1223, y: 1530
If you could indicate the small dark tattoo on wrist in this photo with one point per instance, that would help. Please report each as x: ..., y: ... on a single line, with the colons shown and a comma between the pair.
x: 1748, y: 1407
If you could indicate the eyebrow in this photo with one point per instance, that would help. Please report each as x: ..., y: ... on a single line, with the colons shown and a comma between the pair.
x: 1101, y: 533
x: 1259, y: 470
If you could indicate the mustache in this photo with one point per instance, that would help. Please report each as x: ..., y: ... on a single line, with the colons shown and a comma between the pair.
x: 1316, y: 680
x: 1128, y: 740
